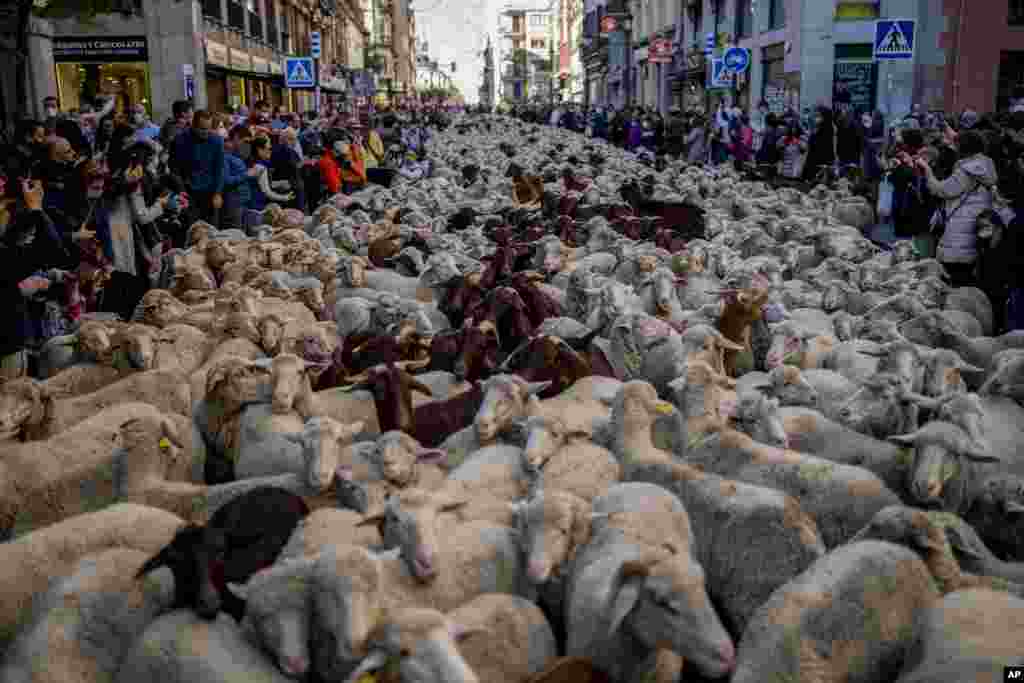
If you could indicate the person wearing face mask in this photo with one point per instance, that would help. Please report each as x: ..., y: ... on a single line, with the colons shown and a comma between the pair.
x: 873, y: 141
x: 50, y: 109
x: 144, y: 128
x: 821, y: 149
x: 237, y: 193
x: 129, y: 241
x: 26, y: 249
x: 286, y: 166
x: 198, y: 159
x: 28, y: 151
x: 261, y: 192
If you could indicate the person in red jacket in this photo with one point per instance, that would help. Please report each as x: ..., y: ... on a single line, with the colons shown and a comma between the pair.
x: 330, y: 171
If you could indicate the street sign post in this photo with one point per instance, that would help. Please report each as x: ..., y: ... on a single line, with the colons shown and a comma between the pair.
x: 299, y: 72
x: 189, y: 73
x: 894, y: 38
x: 737, y: 59
x: 709, y: 44
x: 314, y: 52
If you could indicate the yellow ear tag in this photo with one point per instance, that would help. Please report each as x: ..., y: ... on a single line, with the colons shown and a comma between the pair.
x: 664, y: 408
x: 367, y: 678
x: 165, y: 443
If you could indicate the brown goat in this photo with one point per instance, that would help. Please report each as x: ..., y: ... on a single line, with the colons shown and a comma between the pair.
x: 741, y: 311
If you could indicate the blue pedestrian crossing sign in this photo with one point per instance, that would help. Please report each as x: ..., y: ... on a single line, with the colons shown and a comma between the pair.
x: 721, y: 77
x: 894, y: 38
x: 298, y: 72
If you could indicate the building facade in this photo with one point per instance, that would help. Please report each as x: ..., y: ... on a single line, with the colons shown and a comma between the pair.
x: 220, y: 53
x: 803, y: 53
x: 525, y: 52
x: 486, y: 92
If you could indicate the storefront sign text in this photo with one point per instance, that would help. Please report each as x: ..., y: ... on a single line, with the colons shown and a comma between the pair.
x: 86, y: 50
x: 216, y: 53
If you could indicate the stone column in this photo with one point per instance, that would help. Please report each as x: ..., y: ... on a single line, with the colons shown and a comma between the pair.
x: 174, y: 31
x: 41, y: 80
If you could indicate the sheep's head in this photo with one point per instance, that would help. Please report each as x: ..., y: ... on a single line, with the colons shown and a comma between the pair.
x: 271, y: 330
x: 322, y: 440
x: 270, y: 284
x: 220, y: 253
x: 235, y: 381
x: 138, y: 343
x: 199, y: 233
x: 906, y: 526
x: 277, y: 606
x: 637, y: 406
x: 243, y: 326
x: 545, y: 437
x: 411, y: 642
x: 410, y: 521
x: 312, y: 296
x: 151, y: 433
x: 352, y: 271
x: 194, y: 278
x: 506, y: 398
x: 552, y: 527
x: 399, y: 455
x: 290, y: 382
x: 94, y: 339
x: 23, y: 404
x: 160, y: 308
x: 941, y: 452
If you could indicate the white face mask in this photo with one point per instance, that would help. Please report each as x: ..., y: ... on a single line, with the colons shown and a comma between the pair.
x: 51, y: 112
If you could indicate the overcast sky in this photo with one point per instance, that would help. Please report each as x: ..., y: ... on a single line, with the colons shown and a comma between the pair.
x: 457, y: 30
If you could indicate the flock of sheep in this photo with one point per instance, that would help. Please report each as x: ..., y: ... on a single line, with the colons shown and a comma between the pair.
x: 435, y: 434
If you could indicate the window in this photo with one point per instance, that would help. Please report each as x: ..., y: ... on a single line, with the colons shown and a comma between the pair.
x: 744, y: 18
x: 211, y: 8
x: 776, y: 14
x: 1016, y: 16
x: 537, y: 44
x: 538, y: 20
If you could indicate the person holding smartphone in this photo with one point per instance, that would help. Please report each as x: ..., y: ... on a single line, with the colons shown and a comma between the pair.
x: 27, y: 247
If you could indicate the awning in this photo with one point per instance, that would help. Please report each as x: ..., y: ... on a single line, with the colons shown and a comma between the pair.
x: 215, y: 70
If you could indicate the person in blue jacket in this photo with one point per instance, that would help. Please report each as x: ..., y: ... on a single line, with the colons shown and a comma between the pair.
x: 237, y: 192
x: 199, y: 161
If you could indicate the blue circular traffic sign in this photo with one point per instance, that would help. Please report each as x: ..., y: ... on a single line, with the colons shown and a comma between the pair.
x: 737, y: 59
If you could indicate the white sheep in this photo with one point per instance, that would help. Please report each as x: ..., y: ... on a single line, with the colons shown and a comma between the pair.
x: 971, y: 635
x: 180, y: 646
x: 139, y: 469
x: 30, y: 410
x: 86, y: 622
x: 849, y: 616
x: 30, y: 562
x: 567, y: 460
x: 42, y: 482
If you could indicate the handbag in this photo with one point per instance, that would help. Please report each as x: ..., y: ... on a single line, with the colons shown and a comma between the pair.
x: 941, y: 217
x: 885, y: 193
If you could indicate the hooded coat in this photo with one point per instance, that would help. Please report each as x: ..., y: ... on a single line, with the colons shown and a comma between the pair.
x: 821, y: 147
x: 969, y: 191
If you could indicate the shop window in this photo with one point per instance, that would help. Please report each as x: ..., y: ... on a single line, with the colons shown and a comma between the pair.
x: 537, y: 44
x: 776, y: 14
x: 1016, y: 14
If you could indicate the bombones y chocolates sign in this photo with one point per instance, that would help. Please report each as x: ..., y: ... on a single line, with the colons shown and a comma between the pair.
x: 109, y: 49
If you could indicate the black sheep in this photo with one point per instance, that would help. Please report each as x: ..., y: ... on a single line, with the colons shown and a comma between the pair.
x: 244, y: 536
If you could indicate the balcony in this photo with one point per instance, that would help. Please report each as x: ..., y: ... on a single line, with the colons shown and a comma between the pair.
x: 255, y: 26
x: 236, y: 16
x: 211, y: 8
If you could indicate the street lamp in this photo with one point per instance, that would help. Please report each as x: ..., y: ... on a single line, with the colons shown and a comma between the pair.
x: 627, y: 27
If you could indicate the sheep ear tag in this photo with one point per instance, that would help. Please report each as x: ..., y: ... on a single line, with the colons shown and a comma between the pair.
x: 165, y: 443
x: 367, y: 678
x: 664, y: 408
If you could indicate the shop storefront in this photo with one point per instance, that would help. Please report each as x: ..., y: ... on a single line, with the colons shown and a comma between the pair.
x: 90, y: 66
x: 234, y: 78
x: 854, y: 78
